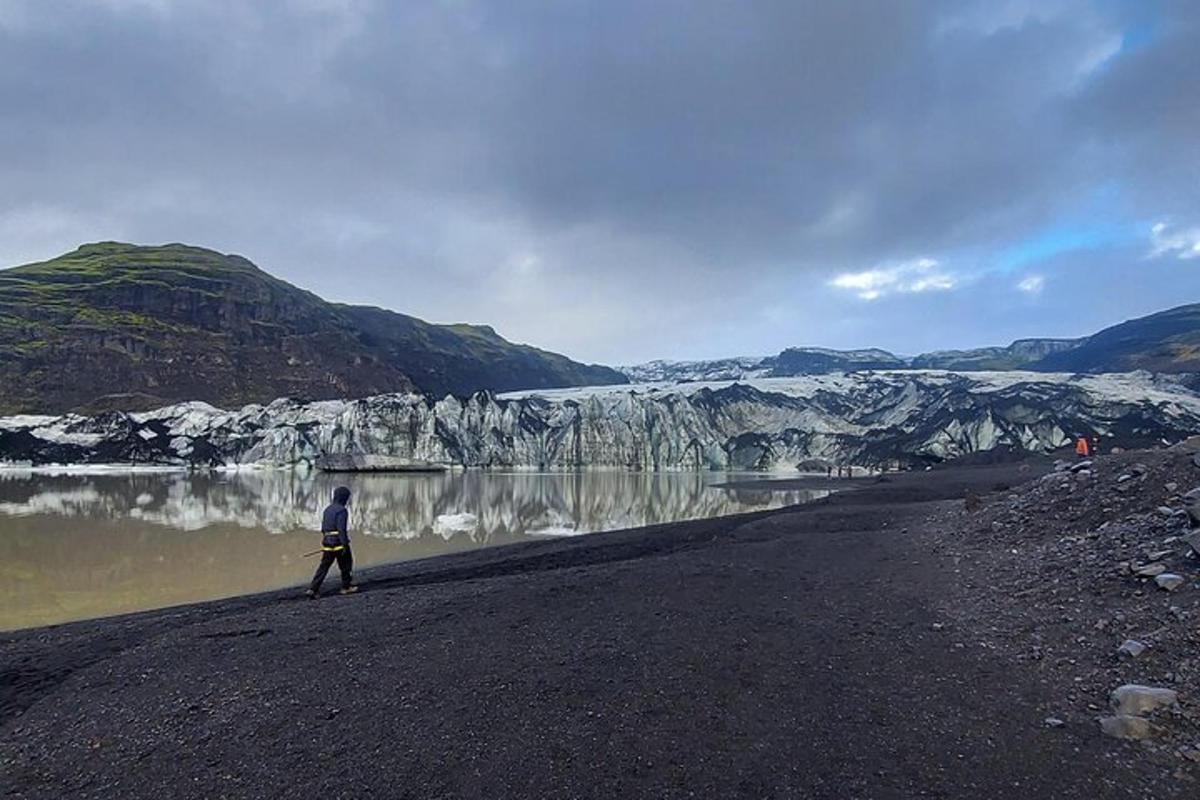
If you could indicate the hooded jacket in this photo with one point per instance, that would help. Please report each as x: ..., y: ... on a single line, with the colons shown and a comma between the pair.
x: 335, y: 519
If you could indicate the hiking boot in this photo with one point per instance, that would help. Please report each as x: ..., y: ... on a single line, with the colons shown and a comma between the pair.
x: 311, y: 594
x: 349, y: 589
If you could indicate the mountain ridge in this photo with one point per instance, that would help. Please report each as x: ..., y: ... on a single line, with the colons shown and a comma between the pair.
x: 1167, y: 341
x: 113, y: 325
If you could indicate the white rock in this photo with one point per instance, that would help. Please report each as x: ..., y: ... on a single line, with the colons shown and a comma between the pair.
x: 1124, y: 726
x: 1132, y: 648
x: 1170, y: 581
x: 1134, y: 699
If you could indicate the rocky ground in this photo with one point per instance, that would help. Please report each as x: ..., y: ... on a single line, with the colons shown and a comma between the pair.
x: 950, y: 633
x: 1088, y: 579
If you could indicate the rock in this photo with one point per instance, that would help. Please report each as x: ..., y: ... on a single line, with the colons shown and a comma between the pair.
x: 1166, y: 511
x: 1054, y: 722
x: 1133, y: 699
x: 1132, y: 648
x: 1172, y: 487
x: 1062, y: 466
x: 1196, y: 460
x: 1123, y: 726
x: 1139, y: 469
x: 1191, y: 504
x: 1149, y: 570
x: 1170, y: 581
x: 1159, y: 555
x: 1125, y: 477
x: 1193, y: 541
x: 1191, y: 755
x: 1082, y: 465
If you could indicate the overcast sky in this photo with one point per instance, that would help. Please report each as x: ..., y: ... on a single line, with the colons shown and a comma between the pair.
x: 625, y: 180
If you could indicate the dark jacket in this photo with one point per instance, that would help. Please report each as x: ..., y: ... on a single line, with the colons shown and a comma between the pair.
x: 334, y: 520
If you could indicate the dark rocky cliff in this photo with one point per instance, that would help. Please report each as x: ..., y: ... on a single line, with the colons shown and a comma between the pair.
x: 114, y: 325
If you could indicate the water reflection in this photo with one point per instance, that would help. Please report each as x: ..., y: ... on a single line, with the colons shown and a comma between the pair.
x: 80, y: 546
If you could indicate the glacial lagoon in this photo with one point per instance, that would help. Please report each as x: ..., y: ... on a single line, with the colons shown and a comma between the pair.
x: 78, y: 546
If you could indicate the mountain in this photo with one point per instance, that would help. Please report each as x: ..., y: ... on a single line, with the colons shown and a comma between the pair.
x: 818, y: 361
x: 1168, y: 341
x: 719, y: 369
x: 860, y: 418
x: 115, y: 325
x: 1021, y: 354
x: 791, y: 362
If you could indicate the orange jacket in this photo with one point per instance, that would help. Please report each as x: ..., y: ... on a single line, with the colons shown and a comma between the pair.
x: 1081, y: 447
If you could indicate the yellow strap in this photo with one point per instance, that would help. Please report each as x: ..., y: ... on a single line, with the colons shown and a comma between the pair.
x: 333, y: 549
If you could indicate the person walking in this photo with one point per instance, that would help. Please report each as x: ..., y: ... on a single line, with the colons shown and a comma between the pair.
x: 335, y: 544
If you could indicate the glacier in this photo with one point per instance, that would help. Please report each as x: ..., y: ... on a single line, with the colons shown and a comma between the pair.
x: 866, y: 419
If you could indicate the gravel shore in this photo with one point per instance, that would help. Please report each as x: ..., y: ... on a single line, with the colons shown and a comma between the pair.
x: 856, y: 647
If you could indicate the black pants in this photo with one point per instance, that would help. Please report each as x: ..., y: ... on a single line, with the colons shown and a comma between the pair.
x: 345, y: 563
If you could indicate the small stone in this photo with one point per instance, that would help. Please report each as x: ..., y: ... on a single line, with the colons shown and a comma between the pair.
x: 1132, y: 648
x: 1149, y: 570
x: 1193, y: 541
x: 1132, y: 699
x: 1159, y: 555
x: 1054, y: 722
x: 1166, y: 511
x: 1082, y: 465
x: 1191, y: 755
x: 1172, y: 487
x: 1125, y: 477
x: 1124, y: 726
x: 1191, y: 502
x: 1170, y: 581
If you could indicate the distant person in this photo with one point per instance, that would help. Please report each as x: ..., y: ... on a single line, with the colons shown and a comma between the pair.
x: 1082, y: 448
x: 335, y: 544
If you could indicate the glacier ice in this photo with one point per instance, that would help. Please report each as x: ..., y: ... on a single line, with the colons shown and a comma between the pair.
x: 860, y: 418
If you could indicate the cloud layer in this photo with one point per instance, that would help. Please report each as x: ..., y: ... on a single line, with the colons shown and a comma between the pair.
x: 624, y: 180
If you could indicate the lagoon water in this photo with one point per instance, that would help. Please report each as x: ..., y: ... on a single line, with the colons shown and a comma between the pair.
x: 88, y: 545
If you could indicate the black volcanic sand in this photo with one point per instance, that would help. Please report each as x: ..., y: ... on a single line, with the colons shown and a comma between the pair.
x: 783, y: 654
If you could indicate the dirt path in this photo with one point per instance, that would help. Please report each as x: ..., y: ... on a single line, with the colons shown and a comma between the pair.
x: 783, y: 654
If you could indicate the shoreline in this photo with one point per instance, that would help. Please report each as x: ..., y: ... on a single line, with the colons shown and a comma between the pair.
x: 789, y: 652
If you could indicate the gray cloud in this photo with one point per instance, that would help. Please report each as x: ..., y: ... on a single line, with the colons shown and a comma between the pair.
x: 621, y: 180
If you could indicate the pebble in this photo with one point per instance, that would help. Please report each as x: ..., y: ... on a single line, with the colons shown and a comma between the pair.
x: 1193, y: 541
x: 1132, y: 648
x: 1170, y: 581
x: 1054, y: 722
x: 1149, y: 570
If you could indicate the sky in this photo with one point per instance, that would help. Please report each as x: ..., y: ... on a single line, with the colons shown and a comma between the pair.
x: 622, y: 180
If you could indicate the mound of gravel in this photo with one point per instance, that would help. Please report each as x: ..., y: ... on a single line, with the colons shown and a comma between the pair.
x: 1091, y: 574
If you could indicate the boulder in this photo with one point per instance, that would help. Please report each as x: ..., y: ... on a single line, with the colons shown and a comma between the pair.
x: 1170, y: 581
x: 1133, y: 699
x: 1124, y: 726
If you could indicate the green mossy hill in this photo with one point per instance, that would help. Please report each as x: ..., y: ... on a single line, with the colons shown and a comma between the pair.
x: 115, y: 325
x: 1168, y: 341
